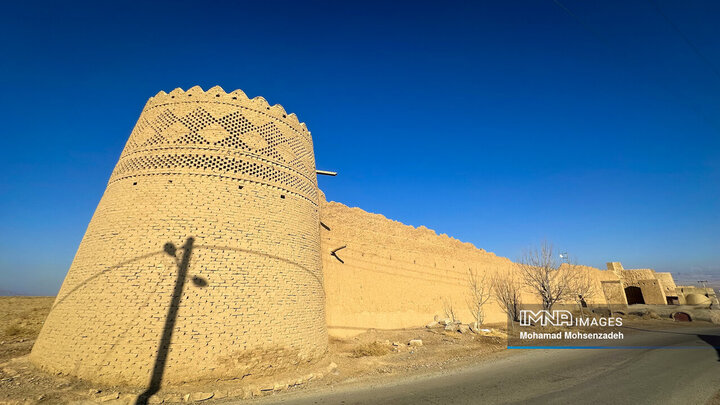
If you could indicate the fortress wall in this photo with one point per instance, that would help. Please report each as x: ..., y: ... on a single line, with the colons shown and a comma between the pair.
x: 632, y: 276
x: 668, y: 284
x: 397, y: 276
x: 690, y: 289
x: 652, y: 292
x: 596, y: 277
x: 612, y: 288
x: 683, y: 291
x: 208, y: 239
x: 651, y: 285
x: 614, y: 294
x: 237, y: 176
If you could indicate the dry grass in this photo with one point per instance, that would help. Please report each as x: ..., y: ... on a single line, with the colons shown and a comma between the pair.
x: 22, y: 317
x: 370, y: 349
x: 453, y: 335
x: 18, y: 329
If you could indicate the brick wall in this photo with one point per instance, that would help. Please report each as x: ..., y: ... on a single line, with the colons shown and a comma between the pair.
x: 668, y: 284
x: 397, y: 276
x: 648, y: 281
x: 652, y: 291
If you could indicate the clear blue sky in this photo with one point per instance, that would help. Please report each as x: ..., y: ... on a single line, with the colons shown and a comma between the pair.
x: 499, y: 123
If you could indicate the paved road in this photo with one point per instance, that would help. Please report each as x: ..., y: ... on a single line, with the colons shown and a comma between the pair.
x: 619, y: 376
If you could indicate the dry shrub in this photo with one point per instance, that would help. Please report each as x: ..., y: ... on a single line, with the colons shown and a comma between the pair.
x: 16, y: 330
x: 371, y: 349
x: 22, y: 317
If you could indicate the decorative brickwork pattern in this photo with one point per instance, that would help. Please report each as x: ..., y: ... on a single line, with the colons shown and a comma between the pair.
x: 238, y: 176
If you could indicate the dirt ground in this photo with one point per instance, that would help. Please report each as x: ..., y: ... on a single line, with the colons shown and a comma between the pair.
x: 22, y: 318
x: 372, y: 356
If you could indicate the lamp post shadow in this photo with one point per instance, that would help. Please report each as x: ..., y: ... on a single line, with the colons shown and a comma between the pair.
x: 170, y: 319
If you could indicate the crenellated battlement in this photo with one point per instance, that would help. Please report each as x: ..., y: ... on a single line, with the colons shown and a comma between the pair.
x: 221, y: 134
x: 216, y: 94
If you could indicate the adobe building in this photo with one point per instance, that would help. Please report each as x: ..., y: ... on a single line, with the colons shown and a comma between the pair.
x: 213, y: 254
x: 646, y: 286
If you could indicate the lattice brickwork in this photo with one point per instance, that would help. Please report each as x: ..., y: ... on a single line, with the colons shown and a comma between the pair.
x: 238, y: 176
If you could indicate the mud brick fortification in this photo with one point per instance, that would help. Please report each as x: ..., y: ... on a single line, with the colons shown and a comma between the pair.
x: 212, y: 220
x: 397, y: 276
x: 238, y: 177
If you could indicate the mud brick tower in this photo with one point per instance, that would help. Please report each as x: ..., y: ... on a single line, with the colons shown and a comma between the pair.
x: 207, y: 240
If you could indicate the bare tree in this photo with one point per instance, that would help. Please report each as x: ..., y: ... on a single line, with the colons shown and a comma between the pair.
x: 449, y: 310
x: 582, y: 287
x: 506, y: 291
x: 541, y: 273
x: 479, y: 295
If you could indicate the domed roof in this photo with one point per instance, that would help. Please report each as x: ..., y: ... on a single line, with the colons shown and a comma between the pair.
x: 697, y: 299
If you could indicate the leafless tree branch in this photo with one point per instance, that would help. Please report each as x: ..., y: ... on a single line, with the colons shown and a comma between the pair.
x: 541, y: 273
x: 478, y: 296
x: 506, y: 290
x: 449, y: 310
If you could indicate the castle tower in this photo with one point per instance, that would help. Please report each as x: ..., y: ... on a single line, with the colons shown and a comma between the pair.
x: 207, y: 240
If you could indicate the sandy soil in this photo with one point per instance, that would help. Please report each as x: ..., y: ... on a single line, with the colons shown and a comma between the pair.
x: 372, y: 356
x: 22, y: 318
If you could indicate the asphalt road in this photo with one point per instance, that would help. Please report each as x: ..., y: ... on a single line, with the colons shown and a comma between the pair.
x: 672, y: 375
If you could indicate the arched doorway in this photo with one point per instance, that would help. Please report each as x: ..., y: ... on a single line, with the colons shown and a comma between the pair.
x: 634, y: 295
